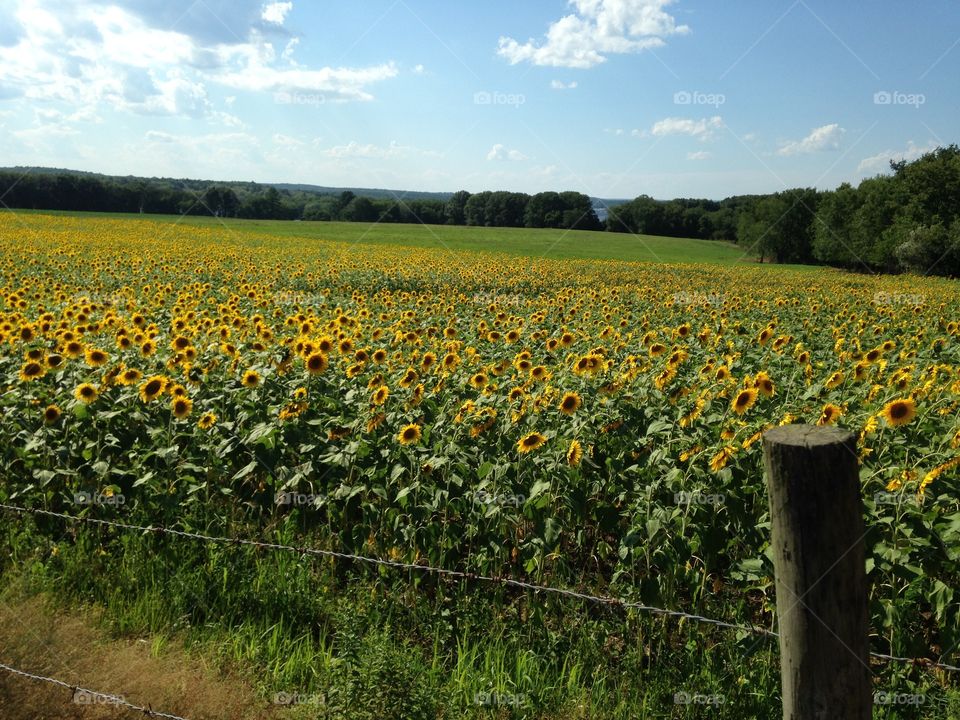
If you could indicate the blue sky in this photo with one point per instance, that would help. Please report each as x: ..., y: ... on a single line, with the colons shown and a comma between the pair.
x: 689, y: 98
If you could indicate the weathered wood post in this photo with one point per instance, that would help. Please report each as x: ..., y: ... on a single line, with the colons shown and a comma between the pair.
x: 816, y: 517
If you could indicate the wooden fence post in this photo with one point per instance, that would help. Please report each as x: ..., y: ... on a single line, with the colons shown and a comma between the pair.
x: 816, y: 517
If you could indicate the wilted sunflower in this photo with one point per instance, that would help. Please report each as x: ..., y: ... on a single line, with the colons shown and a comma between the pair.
x: 409, y: 434
x: 181, y: 406
x: 570, y: 403
x: 153, y: 388
x: 86, y: 393
x: 899, y: 412
x: 744, y: 400
x: 530, y: 442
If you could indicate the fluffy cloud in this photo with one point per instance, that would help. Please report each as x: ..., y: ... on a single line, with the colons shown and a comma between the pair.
x: 276, y: 12
x: 821, y: 138
x: 881, y: 161
x: 561, y: 85
x: 702, y: 129
x: 501, y: 153
x: 160, y: 57
x: 595, y: 29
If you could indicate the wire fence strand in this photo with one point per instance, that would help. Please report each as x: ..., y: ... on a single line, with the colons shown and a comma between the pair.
x: 81, y: 692
x: 457, y: 574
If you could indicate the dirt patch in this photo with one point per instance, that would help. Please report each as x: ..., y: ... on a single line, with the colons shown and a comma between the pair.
x: 37, y: 638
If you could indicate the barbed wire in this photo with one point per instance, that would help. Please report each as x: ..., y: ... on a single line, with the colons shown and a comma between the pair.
x: 458, y: 574
x: 108, y: 698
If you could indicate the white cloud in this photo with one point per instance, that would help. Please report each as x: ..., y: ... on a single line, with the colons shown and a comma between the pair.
x: 700, y: 155
x: 613, y: 131
x: 560, y: 85
x: 275, y: 12
x: 161, y: 58
x: 597, y: 28
x: 418, y: 69
x: 881, y: 161
x: 500, y: 153
x: 354, y: 149
x: 819, y: 139
x: 702, y: 129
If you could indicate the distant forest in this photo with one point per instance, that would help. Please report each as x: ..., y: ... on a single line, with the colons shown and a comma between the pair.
x: 908, y: 220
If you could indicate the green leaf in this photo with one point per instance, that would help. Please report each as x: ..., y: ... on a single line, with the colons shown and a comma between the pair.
x: 246, y: 470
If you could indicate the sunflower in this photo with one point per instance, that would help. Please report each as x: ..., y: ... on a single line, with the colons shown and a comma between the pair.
x: 148, y: 347
x: 530, y: 442
x: 479, y: 380
x: 720, y: 460
x: 85, y: 393
x: 251, y: 378
x: 153, y: 388
x: 764, y: 384
x: 130, y: 376
x: 570, y: 403
x: 539, y: 373
x: 574, y: 453
x: 899, y: 412
x: 829, y: 414
x: 96, y: 357
x: 409, y: 378
x: 300, y: 393
x: 181, y: 406
x: 317, y: 363
x: 31, y: 371
x: 380, y: 395
x: 51, y: 414
x: 54, y: 360
x: 73, y: 349
x: 744, y: 400
x: 834, y: 380
x: 409, y: 434
x: 207, y: 421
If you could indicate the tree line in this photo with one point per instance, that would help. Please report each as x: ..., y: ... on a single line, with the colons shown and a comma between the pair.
x: 73, y: 191
x: 908, y: 220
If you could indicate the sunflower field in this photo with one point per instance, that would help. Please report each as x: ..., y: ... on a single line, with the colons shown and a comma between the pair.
x: 589, y: 424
